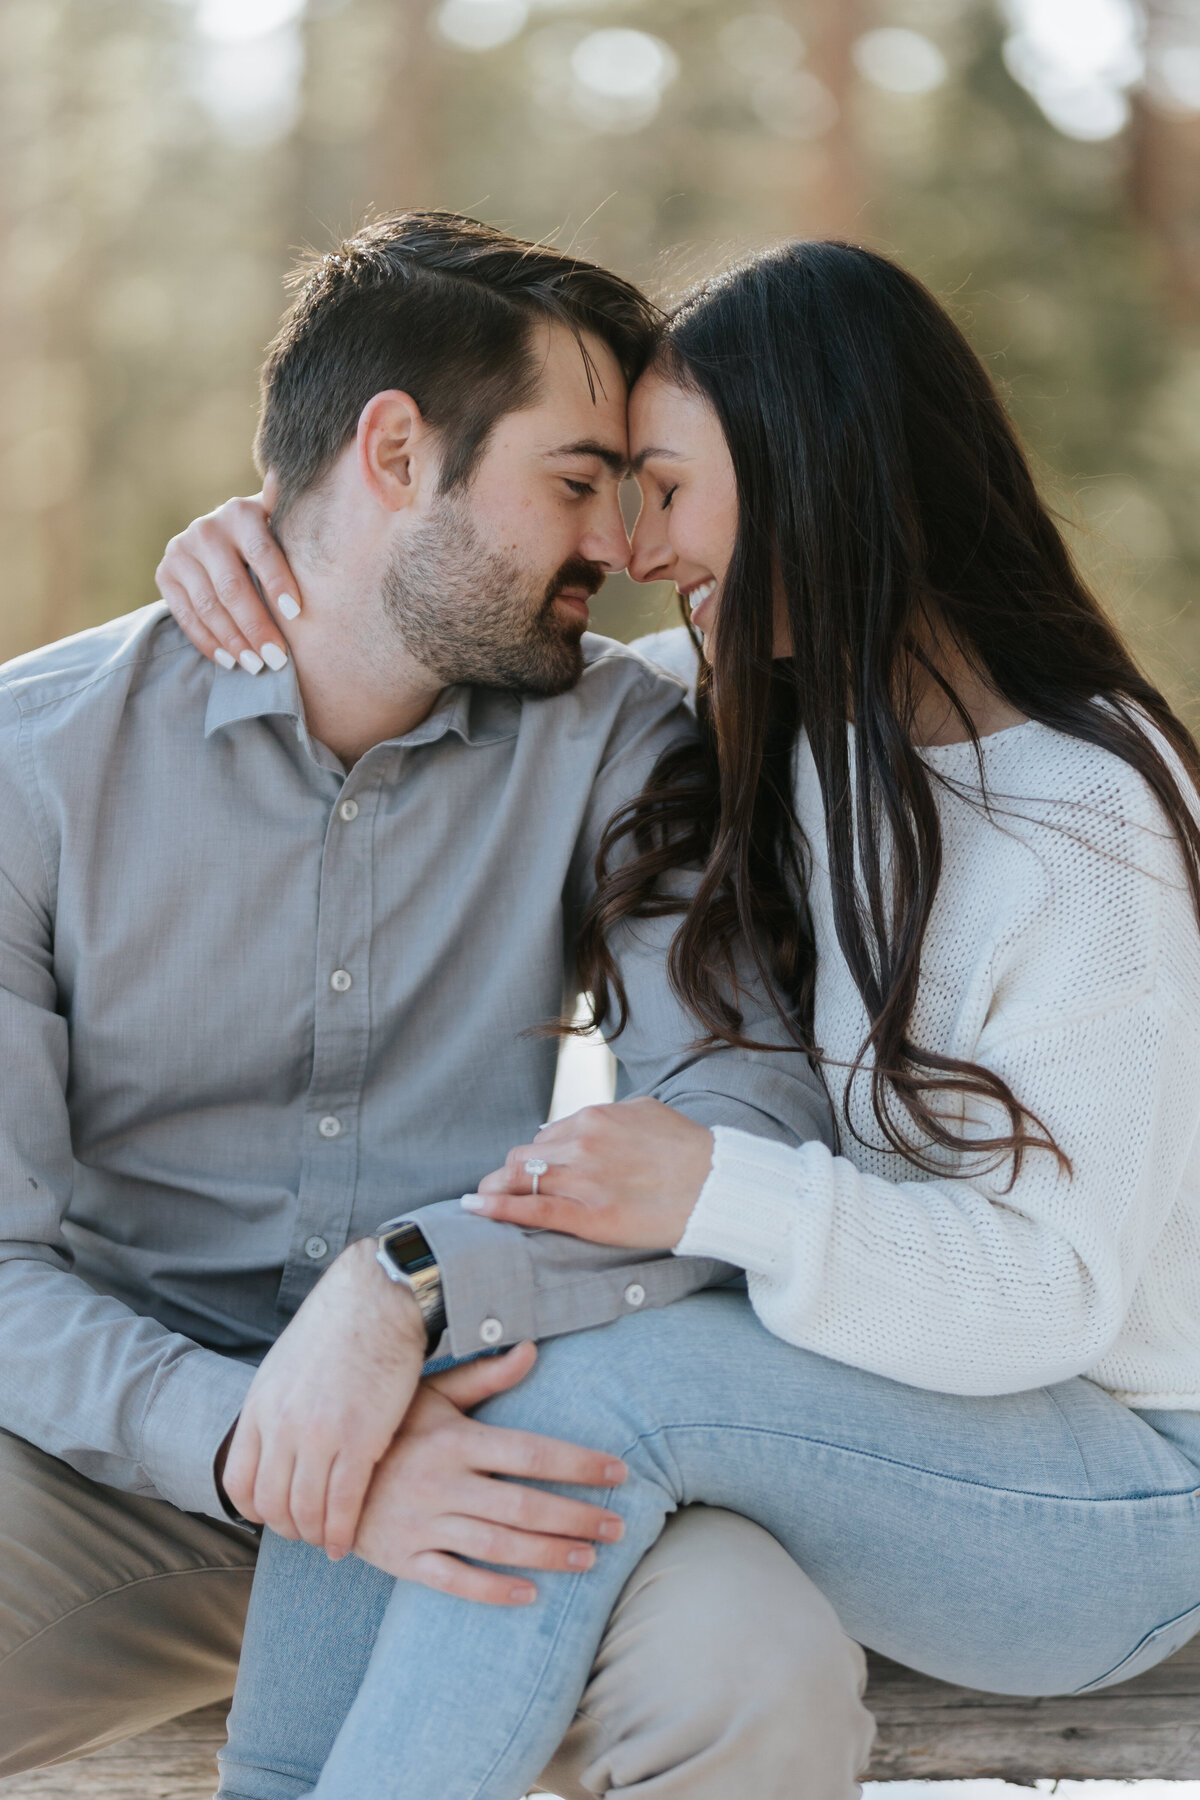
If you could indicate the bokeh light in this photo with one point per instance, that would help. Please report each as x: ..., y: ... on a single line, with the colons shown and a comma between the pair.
x: 901, y: 61
x: 1173, y: 77
x: 1078, y: 59
x: 480, y: 24
x: 620, y: 76
x: 235, y: 21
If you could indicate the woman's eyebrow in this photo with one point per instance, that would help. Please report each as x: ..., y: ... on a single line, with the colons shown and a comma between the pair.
x: 652, y: 450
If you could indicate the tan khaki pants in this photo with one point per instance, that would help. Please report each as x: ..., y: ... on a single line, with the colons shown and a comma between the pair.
x: 723, y: 1673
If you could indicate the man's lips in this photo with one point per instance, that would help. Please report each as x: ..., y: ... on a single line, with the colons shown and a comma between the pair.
x: 575, y: 597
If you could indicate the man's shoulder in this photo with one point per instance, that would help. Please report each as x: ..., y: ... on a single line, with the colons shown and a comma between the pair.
x: 617, y: 677
x: 619, y: 696
x: 77, y: 672
x: 625, y: 665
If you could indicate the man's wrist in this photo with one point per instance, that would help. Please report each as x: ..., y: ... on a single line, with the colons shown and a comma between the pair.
x: 219, y: 1461
x: 409, y: 1323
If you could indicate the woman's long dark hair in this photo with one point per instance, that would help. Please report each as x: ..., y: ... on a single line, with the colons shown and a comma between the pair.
x: 883, y: 493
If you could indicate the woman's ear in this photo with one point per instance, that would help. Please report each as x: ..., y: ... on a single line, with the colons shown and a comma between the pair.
x: 394, y: 449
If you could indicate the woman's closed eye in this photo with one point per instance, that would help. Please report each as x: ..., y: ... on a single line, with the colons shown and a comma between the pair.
x: 669, y: 496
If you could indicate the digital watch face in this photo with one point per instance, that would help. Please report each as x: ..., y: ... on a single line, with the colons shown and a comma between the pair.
x: 409, y: 1251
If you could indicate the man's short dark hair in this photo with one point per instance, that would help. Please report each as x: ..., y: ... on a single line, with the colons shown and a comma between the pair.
x: 443, y: 308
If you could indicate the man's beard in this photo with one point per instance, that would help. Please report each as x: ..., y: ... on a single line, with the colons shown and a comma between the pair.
x: 472, y: 614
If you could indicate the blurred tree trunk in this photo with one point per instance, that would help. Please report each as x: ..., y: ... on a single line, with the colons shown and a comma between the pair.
x: 834, y: 195
x: 43, y: 400
x: 1165, y: 166
x: 369, y: 136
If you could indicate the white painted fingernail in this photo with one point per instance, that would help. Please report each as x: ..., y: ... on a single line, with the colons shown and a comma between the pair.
x: 472, y: 1203
x: 223, y: 657
x: 274, y: 656
x: 251, y: 663
x: 288, y: 607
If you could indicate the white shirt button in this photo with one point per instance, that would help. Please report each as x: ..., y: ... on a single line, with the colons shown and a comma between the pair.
x: 635, y: 1294
x: 330, y: 1127
x: 316, y: 1248
x: 341, y: 981
x: 348, y: 810
x: 491, y: 1331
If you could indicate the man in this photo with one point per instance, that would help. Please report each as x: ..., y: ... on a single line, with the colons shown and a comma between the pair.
x: 270, y: 954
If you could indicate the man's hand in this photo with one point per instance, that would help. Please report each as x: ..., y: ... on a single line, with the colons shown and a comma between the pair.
x: 326, y: 1403
x: 435, y: 1498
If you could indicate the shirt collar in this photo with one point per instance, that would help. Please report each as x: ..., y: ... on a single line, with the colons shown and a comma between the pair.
x: 477, y: 715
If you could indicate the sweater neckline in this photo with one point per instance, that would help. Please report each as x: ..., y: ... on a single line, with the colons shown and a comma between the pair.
x: 987, y: 743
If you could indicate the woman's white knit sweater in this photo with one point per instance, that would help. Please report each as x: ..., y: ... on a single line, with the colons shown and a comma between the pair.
x: 1063, y: 952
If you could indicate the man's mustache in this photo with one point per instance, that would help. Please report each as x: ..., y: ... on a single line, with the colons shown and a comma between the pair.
x: 577, y: 572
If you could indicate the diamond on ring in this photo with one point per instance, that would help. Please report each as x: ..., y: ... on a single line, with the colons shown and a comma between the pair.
x: 537, y: 1168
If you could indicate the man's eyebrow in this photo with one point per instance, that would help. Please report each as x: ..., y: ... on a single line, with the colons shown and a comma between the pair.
x: 612, y: 459
x: 652, y: 450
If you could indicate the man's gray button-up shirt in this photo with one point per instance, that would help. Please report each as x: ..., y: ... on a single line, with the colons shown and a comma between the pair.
x: 251, y: 1004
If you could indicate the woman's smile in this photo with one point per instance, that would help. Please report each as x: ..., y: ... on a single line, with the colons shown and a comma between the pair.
x: 697, y: 596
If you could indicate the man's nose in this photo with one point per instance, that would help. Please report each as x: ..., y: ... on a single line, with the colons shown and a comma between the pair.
x: 606, y: 541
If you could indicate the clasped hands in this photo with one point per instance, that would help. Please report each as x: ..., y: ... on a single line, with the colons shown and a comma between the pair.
x: 343, y: 1444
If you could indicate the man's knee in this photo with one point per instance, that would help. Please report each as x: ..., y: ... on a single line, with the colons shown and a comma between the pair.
x: 116, y: 1611
x: 724, y: 1671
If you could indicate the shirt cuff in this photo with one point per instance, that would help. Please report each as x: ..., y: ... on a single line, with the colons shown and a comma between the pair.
x: 487, y: 1278
x: 752, y: 1208
x: 502, y: 1284
x: 186, y: 1422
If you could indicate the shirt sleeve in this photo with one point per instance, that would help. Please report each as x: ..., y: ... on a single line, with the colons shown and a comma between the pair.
x: 116, y: 1395
x: 502, y: 1284
x: 964, y: 1283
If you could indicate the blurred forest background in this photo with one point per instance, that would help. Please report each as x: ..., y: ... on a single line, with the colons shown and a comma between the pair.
x: 1037, y: 162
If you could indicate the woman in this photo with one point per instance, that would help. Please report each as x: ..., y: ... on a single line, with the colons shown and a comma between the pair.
x: 959, y: 829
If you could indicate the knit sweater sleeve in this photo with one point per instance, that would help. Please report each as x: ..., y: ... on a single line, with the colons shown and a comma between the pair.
x: 963, y: 1283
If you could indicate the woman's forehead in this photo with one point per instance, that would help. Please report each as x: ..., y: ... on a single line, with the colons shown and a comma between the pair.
x: 663, y: 415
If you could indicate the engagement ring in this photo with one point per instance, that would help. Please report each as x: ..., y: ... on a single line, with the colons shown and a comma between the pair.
x: 537, y: 1168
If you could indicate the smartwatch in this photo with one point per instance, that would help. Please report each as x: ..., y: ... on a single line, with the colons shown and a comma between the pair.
x: 405, y: 1258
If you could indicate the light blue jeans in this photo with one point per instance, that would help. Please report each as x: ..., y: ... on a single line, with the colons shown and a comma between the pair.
x: 1035, y: 1543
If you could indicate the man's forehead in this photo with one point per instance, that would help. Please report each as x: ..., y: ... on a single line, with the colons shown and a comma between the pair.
x: 582, y: 365
x: 579, y: 408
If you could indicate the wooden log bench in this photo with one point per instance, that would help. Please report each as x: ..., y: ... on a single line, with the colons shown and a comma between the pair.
x: 1148, y: 1727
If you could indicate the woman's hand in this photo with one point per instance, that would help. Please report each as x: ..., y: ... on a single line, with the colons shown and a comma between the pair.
x: 435, y: 1500
x: 626, y: 1174
x: 204, y: 577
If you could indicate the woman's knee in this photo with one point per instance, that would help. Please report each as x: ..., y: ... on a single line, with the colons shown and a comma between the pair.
x: 589, y: 1387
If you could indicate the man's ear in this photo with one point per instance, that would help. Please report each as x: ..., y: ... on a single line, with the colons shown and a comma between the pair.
x: 394, y: 449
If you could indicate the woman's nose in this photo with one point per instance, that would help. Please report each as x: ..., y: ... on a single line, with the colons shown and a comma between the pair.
x: 650, y: 557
